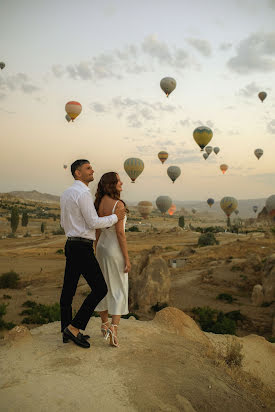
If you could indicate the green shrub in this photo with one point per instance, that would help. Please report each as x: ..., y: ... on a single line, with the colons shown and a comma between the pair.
x: 9, y: 280
x: 14, y: 219
x: 133, y: 229
x: 40, y: 314
x: 60, y: 251
x: 266, y: 304
x: 3, y: 324
x: 212, y: 320
x: 207, y: 239
x: 226, y: 297
x: 181, y: 221
x: 158, y: 306
x: 27, y: 234
x: 59, y: 231
x: 235, y: 268
x: 271, y: 339
x: 6, y: 296
x: 234, y: 356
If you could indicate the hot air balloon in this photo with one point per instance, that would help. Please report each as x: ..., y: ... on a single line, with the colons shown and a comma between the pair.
x: 255, y: 208
x: 210, y: 201
x: 262, y: 96
x: 168, y: 84
x: 270, y: 205
x: 172, y: 210
x: 223, y: 168
x: 73, y: 109
x: 205, y: 155
x: 162, y: 156
x: 194, y: 210
x: 163, y: 203
x: 236, y: 211
x: 65, y: 166
x: 145, y: 208
x: 228, y: 205
x: 208, y: 149
x: 133, y: 167
x: 202, y: 136
x: 258, y: 153
x: 2, y: 65
x: 67, y: 117
x: 216, y: 150
x: 173, y: 172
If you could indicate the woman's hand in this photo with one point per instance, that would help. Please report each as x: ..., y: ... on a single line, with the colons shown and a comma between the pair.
x: 127, y: 266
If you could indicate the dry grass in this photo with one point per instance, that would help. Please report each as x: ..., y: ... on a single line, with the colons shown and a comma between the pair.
x: 230, y: 359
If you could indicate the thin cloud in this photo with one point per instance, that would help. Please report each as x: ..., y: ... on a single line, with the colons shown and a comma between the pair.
x: 271, y: 127
x: 225, y: 46
x: 249, y: 90
x: 18, y: 81
x: 202, y: 46
x: 254, y: 54
x: 131, y: 59
x: 98, y: 107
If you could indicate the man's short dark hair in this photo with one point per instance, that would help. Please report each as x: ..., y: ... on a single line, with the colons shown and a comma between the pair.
x: 77, y: 164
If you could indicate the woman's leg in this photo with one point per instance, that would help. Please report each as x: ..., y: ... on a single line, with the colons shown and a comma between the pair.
x: 114, y: 327
x: 104, y: 322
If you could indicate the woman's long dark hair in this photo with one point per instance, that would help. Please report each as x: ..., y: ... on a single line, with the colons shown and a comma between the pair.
x: 107, y: 186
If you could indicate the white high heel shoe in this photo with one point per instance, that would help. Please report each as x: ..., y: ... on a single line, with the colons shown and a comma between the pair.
x: 104, y: 328
x: 113, y: 338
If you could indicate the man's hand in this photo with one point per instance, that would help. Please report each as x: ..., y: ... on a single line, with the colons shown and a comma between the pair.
x: 120, y: 211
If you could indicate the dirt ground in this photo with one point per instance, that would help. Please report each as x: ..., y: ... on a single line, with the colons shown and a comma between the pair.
x: 41, y: 271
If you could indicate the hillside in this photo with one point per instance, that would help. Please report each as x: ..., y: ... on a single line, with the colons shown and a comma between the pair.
x: 33, y: 195
x: 244, y: 205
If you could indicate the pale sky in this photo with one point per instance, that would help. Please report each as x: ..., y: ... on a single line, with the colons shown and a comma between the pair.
x: 110, y: 56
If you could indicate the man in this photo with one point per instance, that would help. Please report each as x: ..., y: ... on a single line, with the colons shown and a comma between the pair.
x: 79, y: 220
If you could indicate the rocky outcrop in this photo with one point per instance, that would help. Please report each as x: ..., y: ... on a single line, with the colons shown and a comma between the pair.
x: 175, y: 320
x: 257, y: 296
x: 268, y: 279
x: 170, y: 355
x: 149, y: 280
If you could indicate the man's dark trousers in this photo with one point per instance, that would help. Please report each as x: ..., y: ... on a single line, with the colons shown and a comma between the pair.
x: 80, y: 260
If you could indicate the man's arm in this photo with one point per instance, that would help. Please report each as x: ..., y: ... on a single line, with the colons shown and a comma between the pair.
x: 90, y: 215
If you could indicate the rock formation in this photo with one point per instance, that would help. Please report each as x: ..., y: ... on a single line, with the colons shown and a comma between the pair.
x: 257, y: 296
x: 149, y: 280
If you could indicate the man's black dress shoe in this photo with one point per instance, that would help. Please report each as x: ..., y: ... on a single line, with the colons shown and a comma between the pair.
x: 78, y: 340
x: 66, y: 339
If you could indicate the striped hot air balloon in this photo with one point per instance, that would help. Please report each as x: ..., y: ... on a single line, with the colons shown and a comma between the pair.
x: 162, y: 156
x: 133, y: 167
x: 73, y: 109
x: 145, y: 208
x: 228, y: 205
x: 202, y: 136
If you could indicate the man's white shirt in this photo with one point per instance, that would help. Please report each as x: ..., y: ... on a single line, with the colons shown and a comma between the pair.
x: 78, y: 215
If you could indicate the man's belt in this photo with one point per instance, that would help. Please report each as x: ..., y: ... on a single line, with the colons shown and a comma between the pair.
x: 80, y: 239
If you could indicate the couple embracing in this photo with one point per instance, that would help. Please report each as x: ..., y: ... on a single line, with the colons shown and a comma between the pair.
x: 90, y: 226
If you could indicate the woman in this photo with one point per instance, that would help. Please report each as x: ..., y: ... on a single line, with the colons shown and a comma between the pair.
x: 112, y: 256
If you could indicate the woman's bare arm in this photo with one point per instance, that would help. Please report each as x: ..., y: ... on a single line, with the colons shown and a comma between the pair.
x: 122, y: 240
